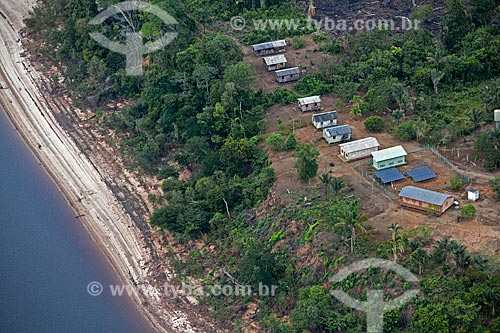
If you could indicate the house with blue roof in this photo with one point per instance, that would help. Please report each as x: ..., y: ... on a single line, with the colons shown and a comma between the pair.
x: 425, y: 200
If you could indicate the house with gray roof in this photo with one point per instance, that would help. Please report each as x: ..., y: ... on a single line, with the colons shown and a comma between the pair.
x: 337, y: 134
x: 325, y: 119
x: 358, y: 149
x: 275, y: 62
x: 311, y: 103
x: 288, y: 75
x: 269, y: 47
x: 425, y: 200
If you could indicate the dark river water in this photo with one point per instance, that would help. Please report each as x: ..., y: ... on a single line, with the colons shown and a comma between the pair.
x: 47, y: 259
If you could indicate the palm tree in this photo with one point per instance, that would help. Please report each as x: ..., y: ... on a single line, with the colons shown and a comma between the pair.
x: 356, y: 110
x: 460, y: 254
x: 337, y: 183
x: 325, y: 180
x: 401, y: 95
x: 492, y: 293
x: 419, y: 258
x: 351, y: 219
x: 436, y: 77
x: 476, y: 117
x: 397, y: 241
x: 491, y: 95
x: 398, y: 114
x: 494, y: 138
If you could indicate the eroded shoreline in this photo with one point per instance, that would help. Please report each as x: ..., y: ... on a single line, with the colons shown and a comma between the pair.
x: 77, y: 176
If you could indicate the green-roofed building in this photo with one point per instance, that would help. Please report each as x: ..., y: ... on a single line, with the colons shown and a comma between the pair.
x: 389, y: 158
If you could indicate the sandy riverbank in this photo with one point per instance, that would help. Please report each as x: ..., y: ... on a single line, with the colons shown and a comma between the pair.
x: 78, y: 177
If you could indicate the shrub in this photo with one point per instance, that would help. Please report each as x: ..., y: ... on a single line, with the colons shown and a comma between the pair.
x: 275, y: 141
x: 468, y: 211
x: 291, y: 142
x: 167, y: 171
x: 456, y: 183
x: 374, y: 124
x: 298, y: 42
x: 495, y: 186
x: 406, y: 131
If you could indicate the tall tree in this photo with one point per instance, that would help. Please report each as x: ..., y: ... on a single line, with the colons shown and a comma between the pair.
x: 306, y: 164
x: 419, y: 257
x: 346, y: 215
x: 397, y: 241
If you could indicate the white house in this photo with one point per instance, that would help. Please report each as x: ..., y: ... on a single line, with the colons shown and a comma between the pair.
x: 337, y: 134
x: 359, y: 148
x: 325, y: 119
x: 311, y: 103
x: 275, y: 62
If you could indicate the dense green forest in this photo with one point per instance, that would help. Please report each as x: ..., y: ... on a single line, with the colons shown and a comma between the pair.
x: 194, y: 108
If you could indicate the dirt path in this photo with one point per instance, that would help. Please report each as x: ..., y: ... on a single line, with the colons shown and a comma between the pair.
x: 83, y: 180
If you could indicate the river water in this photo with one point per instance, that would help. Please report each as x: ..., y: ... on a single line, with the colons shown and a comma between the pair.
x: 47, y: 258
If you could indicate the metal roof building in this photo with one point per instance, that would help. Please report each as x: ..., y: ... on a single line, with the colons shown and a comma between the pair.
x: 275, y: 62
x: 425, y: 200
x: 288, y: 74
x: 388, y: 158
x: 337, y: 134
x: 325, y: 119
x: 269, y: 47
x: 359, y: 148
x: 311, y: 103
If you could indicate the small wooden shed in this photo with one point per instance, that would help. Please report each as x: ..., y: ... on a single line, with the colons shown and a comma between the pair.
x: 311, y: 103
x: 288, y: 75
x: 473, y: 194
x: 275, y: 62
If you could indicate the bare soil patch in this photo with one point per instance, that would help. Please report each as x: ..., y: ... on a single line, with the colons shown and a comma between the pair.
x: 480, y: 234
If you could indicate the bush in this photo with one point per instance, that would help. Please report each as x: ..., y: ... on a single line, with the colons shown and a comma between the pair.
x: 298, y: 42
x: 168, y: 171
x: 291, y: 142
x: 456, y: 183
x: 468, y: 211
x: 406, y: 131
x: 374, y: 124
x: 275, y: 141
x: 495, y: 186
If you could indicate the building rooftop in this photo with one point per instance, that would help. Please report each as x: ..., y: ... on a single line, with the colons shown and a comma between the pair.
x: 309, y: 100
x: 325, y: 116
x: 387, y: 154
x: 274, y: 60
x: 269, y: 45
x: 421, y: 194
x: 288, y: 71
x: 358, y: 145
x: 337, y: 130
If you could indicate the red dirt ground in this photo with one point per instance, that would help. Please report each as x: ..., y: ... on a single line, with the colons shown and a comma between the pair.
x: 480, y: 234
